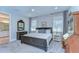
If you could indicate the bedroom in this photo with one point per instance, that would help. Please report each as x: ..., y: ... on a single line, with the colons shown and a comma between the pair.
x: 49, y: 21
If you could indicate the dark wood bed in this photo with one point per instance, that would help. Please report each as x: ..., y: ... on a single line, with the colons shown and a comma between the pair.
x: 37, y: 42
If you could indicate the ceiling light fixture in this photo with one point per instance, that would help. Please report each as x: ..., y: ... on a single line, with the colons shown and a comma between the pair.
x: 56, y: 7
x: 33, y: 10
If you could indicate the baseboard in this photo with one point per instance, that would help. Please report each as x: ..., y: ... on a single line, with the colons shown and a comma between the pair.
x: 11, y: 40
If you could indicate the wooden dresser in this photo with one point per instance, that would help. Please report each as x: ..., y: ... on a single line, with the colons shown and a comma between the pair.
x: 71, y: 44
x: 19, y: 33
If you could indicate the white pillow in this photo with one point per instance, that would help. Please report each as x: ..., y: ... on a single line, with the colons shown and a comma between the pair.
x: 48, y: 31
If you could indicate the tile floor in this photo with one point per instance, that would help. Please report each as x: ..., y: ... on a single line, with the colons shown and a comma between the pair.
x: 17, y: 47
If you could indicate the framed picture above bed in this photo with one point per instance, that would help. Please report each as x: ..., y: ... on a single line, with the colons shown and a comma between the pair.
x: 44, y: 29
x: 44, y: 24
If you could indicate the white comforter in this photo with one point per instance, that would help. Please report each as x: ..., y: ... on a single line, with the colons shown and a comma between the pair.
x: 46, y: 36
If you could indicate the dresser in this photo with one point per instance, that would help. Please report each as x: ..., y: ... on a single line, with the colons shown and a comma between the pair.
x: 19, y: 33
x: 71, y: 44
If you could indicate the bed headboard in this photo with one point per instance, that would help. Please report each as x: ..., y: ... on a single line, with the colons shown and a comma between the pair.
x: 43, y: 29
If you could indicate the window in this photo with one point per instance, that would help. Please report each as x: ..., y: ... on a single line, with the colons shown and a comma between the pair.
x: 33, y: 25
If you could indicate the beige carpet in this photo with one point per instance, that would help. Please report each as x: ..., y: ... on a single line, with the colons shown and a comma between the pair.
x: 17, y: 47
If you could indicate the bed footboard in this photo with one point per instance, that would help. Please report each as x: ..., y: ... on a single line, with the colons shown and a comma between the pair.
x: 37, y: 42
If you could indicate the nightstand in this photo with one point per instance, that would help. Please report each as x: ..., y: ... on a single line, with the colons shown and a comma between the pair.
x: 19, y: 33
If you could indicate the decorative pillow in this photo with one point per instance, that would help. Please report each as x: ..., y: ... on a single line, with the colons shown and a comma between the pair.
x: 42, y: 31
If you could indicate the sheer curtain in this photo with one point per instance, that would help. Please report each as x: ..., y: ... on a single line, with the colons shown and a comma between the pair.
x: 57, y: 28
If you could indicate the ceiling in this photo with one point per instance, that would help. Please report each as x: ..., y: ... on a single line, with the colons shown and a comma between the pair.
x: 33, y: 11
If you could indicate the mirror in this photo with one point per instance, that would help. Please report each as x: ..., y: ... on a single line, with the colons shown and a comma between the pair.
x: 20, y: 25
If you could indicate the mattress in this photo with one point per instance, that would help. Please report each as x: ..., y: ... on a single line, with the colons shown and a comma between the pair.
x: 46, y: 36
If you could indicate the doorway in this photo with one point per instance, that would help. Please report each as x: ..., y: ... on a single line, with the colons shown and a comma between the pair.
x: 4, y: 28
